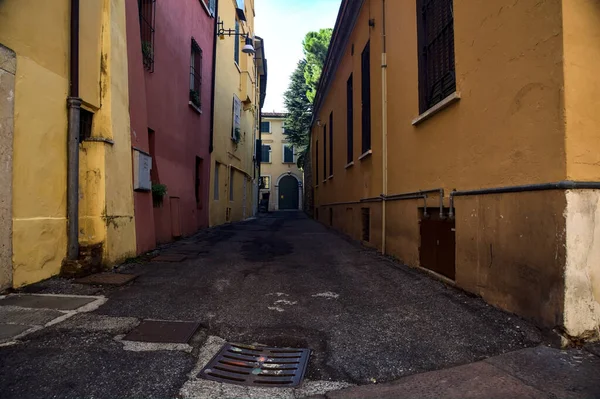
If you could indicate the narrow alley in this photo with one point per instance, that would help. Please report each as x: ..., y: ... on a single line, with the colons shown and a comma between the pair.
x: 281, y: 280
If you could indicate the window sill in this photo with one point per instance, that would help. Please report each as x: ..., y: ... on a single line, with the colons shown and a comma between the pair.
x: 445, y: 103
x: 364, y: 155
x: 288, y: 163
x: 350, y: 164
x: 195, y: 107
x: 99, y: 140
x: 237, y: 66
x: 330, y: 177
x: 324, y: 181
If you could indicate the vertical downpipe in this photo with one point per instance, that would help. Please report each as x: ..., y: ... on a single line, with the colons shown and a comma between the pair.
x: 74, y: 108
x: 384, y: 128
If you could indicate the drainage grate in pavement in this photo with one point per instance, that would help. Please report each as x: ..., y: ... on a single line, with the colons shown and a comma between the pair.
x: 117, y: 279
x: 164, y: 332
x: 257, y: 366
x: 170, y: 258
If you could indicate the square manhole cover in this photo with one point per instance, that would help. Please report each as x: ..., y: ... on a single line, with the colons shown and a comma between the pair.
x: 257, y: 366
x: 117, y: 279
x: 164, y: 332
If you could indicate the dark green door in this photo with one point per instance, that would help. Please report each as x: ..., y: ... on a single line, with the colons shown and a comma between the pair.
x: 288, y: 193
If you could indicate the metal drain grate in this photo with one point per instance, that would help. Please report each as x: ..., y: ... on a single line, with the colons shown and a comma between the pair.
x: 257, y: 366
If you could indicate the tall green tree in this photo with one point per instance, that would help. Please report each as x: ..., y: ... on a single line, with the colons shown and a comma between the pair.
x: 315, y: 46
x: 297, y: 123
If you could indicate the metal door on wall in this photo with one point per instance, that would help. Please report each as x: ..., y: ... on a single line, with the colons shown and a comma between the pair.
x: 288, y: 193
x: 438, y: 246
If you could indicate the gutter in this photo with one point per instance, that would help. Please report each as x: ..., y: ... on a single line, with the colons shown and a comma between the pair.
x: 74, y: 115
x: 214, y: 80
x: 561, y: 185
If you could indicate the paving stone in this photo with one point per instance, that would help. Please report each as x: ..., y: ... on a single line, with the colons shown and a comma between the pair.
x: 117, y: 279
x: 176, y: 332
x: 170, y: 258
x: 8, y: 331
x: 46, y: 302
x: 476, y: 380
x: 563, y: 374
x: 28, y: 317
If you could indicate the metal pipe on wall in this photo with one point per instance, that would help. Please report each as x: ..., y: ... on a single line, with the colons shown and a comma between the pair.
x: 561, y: 185
x: 384, y: 127
x: 74, y: 114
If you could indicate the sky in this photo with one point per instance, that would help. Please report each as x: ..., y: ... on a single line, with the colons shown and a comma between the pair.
x: 283, y: 25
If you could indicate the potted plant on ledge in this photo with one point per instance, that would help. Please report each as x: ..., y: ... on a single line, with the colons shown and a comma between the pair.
x: 158, y: 194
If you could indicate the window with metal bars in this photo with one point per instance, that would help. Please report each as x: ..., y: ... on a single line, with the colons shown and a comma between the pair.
x: 196, y: 75
x: 366, y: 97
x: 437, y: 75
x: 147, y: 9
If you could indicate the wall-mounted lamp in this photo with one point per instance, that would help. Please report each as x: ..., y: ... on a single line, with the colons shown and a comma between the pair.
x: 249, y: 44
x: 319, y: 122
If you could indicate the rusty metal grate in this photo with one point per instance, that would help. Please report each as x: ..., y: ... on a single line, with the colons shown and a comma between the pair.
x: 257, y: 366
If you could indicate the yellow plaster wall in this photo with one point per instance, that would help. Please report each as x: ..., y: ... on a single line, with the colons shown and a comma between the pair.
x: 228, y: 84
x: 38, y: 32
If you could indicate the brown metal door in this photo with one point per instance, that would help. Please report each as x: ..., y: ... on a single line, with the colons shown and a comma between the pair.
x: 438, y: 246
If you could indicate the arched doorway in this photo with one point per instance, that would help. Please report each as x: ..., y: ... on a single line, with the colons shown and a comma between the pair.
x: 288, y: 193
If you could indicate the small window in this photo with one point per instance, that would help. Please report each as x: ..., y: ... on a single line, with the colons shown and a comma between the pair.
x: 198, y: 185
x: 331, y: 144
x: 349, y: 119
x: 231, y: 190
x: 147, y: 9
x: 317, y: 162
x: 236, y: 43
x: 265, y: 127
x: 435, y: 31
x: 265, y: 182
x: 196, y: 75
x: 288, y: 153
x: 366, y: 224
x: 325, y: 152
x: 366, y: 97
x: 216, y: 182
x: 212, y: 4
x: 266, y: 154
x: 85, y: 124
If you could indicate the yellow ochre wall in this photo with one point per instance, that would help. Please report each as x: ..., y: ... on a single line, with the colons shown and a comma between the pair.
x: 38, y: 32
x: 526, y: 73
x: 229, y: 81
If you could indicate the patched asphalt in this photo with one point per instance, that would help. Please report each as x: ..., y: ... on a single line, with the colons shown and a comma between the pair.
x: 280, y: 280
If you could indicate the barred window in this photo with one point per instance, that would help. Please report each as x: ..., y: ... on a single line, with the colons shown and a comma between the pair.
x: 196, y: 75
x: 147, y: 9
x: 437, y: 77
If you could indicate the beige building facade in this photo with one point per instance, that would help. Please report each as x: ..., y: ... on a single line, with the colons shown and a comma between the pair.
x: 281, y: 184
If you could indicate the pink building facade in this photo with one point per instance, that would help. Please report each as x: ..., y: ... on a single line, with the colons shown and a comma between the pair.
x: 170, y: 55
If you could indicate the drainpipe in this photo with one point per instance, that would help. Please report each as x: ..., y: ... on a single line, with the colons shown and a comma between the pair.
x: 384, y: 127
x: 561, y: 185
x: 214, y: 80
x: 74, y: 108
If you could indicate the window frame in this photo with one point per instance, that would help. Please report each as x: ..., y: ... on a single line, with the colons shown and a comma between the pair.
x: 196, y: 56
x: 270, y: 125
x: 440, y: 61
x: 231, y: 188
x: 330, y: 145
x: 365, y: 62
x: 324, y: 152
x: 216, y: 186
x: 236, y: 44
x: 262, y: 160
x: 283, y: 147
x: 147, y: 20
x: 350, y: 120
x: 269, y: 179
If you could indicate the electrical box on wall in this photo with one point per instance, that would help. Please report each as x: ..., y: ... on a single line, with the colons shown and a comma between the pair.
x: 142, y: 165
